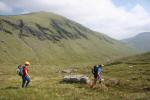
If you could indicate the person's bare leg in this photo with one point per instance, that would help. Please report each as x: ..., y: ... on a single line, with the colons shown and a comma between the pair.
x: 94, y: 83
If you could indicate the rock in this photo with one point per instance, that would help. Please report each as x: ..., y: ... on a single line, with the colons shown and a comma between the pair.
x: 102, y: 80
x: 130, y: 66
x: 69, y: 71
x: 76, y: 79
x: 112, y: 82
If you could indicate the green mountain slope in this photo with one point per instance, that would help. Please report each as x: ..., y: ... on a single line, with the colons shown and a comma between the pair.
x: 140, y: 41
x: 47, y: 38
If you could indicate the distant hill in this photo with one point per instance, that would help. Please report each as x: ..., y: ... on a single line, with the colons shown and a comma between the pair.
x: 139, y: 59
x: 47, y: 38
x: 140, y: 41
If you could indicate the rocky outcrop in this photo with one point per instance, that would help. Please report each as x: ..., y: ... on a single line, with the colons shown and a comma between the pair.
x: 69, y: 71
x: 76, y: 79
x: 41, y: 32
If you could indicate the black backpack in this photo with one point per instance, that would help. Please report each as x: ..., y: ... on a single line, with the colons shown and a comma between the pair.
x: 95, y: 70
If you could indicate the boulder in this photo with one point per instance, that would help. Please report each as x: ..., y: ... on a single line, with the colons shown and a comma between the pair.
x: 76, y: 79
x: 69, y: 71
x: 130, y: 66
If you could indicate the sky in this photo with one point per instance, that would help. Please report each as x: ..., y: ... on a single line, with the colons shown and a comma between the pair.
x: 118, y: 19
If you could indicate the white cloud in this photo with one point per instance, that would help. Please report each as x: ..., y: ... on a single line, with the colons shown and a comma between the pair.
x: 100, y: 15
x: 4, y: 7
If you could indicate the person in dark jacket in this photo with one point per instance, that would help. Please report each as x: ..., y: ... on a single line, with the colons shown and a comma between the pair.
x: 97, y: 72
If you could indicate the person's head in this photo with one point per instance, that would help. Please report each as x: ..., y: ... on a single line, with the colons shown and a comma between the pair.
x: 27, y: 63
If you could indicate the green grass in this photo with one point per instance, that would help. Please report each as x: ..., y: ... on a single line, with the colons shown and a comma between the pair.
x: 122, y: 82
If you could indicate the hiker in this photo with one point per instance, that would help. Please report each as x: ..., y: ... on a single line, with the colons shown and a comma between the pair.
x: 97, y: 72
x: 23, y: 72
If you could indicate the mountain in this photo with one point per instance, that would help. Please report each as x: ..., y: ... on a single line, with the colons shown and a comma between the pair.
x: 140, y: 41
x: 47, y: 38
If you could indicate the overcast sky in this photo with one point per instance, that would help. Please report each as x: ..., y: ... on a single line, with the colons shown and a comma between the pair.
x: 116, y: 18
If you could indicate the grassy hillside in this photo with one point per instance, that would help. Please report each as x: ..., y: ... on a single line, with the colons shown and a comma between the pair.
x: 50, y: 39
x: 125, y: 79
x: 140, y: 41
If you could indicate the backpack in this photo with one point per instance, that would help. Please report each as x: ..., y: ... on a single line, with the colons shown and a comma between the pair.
x: 96, y: 69
x: 20, y: 70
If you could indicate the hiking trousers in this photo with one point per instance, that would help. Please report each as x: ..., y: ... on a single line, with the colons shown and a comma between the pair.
x: 25, y: 81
